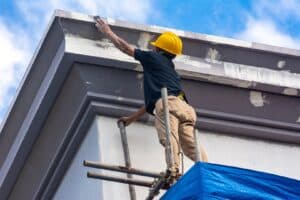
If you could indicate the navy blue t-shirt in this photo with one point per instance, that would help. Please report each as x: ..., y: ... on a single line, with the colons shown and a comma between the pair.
x: 159, y: 71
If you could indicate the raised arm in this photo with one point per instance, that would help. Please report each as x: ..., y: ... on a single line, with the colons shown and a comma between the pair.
x: 117, y: 41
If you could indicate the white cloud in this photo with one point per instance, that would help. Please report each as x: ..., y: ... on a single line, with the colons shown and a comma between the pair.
x: 279, y: 9
x: 36, y: 14
x: 15, y: 50
x: 264, y: 31
x: 263, y: 23
x: 13, y: 59
x: 133, y: 10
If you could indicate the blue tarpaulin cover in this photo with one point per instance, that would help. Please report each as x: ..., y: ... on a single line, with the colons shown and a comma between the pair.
x: 212, y: 181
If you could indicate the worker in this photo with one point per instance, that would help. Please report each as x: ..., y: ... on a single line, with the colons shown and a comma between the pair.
x: 159, y: 71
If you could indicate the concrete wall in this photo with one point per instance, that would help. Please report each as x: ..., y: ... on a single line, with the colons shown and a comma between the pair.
x: 75, y: 185
x: 103, y: 143
x: 277, y: 158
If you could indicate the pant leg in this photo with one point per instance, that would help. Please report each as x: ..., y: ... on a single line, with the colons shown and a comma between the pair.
x: 187, y: 119
x: 186, y: 131
x: 159, y: 124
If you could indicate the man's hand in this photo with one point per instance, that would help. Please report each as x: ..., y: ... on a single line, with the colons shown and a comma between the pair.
x: 102, y: 26
x: 135, y: 116
x: 118, y: 42
x: 126, y: 120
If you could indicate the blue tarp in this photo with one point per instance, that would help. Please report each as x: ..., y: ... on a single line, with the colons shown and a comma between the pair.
x: 211, y: 181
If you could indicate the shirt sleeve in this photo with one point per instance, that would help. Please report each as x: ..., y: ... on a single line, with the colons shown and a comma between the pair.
x: 139, y: 55
x: 145, y: 57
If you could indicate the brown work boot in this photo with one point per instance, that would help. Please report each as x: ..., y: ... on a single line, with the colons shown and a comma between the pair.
x: 176, y: 173
x: 172, y: 179
x: 175, y: 176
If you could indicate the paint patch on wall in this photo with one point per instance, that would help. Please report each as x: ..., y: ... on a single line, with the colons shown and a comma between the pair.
x: 191, y: 61
x: 298, y: 120
x: 281, y: 64
x: 290, y: 91
x: 257, y: 99
x: 262, y: 75
x: 140, y: 77
x: 138, y: 67
x: 144, y: 40
x: 213, y: 56
x: 105, y: 43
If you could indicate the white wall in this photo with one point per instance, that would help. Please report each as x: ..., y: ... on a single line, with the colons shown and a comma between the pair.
x: 103, y: 144
x: 75, y: 185
x: 277, y: 158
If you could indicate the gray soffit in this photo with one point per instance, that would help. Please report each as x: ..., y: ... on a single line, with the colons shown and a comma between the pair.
x: 237, y: 87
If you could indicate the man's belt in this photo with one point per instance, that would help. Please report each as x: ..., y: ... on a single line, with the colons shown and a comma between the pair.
x: 182, y: 96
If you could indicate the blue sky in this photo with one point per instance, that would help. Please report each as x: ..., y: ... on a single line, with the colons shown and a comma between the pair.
x: 22, y: 23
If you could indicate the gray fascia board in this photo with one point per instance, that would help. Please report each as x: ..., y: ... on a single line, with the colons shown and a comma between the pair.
x: 185, y: 34
x: 29, y: 88
x: 81, y: 123
x: 28, y: 70
x: 88, y: 51
x: 33, y: 122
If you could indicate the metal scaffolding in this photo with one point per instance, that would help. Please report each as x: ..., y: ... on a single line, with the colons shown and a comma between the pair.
x: 161, y: 180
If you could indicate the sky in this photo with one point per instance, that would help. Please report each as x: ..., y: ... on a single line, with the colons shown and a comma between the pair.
x: 23, y: 22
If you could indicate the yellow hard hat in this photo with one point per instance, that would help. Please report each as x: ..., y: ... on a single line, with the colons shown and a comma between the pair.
x: 169, y: 42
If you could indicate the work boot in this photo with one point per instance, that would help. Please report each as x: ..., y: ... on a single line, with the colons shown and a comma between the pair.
x: 172, y: 179
x: 173, y: 171
x: 175, y: 176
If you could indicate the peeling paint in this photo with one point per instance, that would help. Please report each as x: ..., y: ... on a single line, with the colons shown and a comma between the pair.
x: 138, y: 67
x: 218, y: 79
x: 262, y: 75
x: 140, y: 76
x: 105, y: 43
x: 257, y: 99
x: 213, y: 56
x: 227, y: 81
x: 281, y: 64
x: 192, y: 61
x: 144, y: 40
x: 99, y: 48
x: 290, y: 91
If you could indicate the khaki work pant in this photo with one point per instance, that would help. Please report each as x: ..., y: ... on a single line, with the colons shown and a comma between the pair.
x: 182, y: 122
